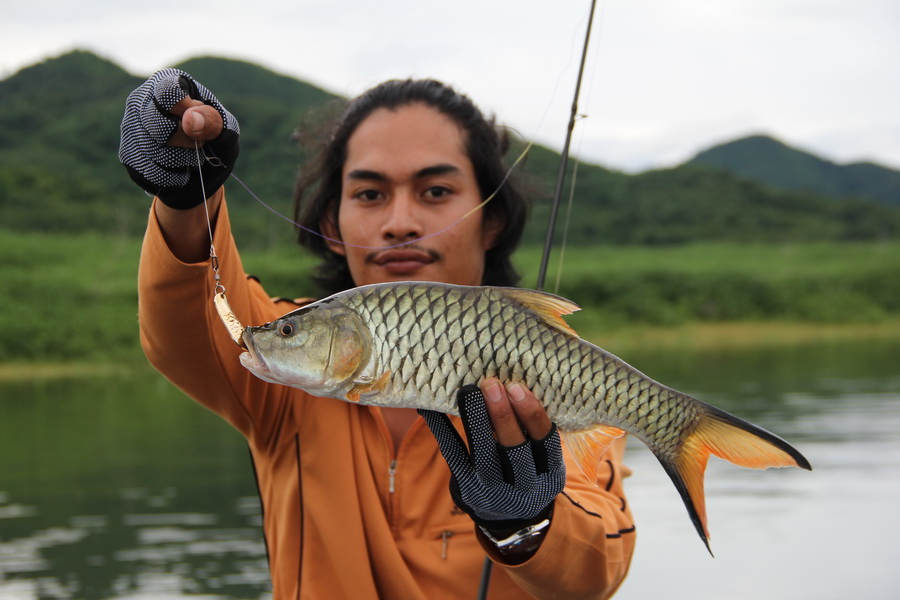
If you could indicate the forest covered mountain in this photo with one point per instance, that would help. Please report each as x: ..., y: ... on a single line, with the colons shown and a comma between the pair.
x: 766, y: 160
x: 59, y: 134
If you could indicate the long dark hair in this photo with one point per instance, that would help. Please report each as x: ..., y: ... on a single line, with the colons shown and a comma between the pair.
x: 318, y: 191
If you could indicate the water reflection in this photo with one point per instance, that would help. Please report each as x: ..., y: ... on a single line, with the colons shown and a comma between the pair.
x: 117, y: 487
x: 783, y: 534
x: 120, y: 488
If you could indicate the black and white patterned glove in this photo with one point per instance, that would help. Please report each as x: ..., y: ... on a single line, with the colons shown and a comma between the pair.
x: 502, y: 488
x: 167, y: 171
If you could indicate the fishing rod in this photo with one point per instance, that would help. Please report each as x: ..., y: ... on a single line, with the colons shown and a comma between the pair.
x: 232, y: 324
x: 551, y: 225
x: 564, y: 158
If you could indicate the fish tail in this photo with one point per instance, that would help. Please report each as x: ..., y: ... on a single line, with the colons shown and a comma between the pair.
x: 735, y: 440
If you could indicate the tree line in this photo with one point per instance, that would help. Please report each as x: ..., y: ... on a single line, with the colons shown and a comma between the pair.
x: 59, y: 130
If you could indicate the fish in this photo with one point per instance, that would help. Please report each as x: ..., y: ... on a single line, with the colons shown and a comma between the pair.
x: 414, y: 344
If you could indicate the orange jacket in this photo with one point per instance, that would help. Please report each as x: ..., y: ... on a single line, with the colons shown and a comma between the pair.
x: 345, y: 514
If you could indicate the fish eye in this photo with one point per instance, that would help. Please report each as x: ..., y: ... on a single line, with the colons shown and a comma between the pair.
x: 286, y: 329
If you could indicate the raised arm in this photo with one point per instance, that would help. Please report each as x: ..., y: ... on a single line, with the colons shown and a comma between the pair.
x: 171, y: 123
x: 169, y: 120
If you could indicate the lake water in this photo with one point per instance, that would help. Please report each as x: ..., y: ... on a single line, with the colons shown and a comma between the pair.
x: 118, y: 487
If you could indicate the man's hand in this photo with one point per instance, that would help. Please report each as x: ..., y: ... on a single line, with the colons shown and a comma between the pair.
x: 165, y: 119
x: 513, y: 467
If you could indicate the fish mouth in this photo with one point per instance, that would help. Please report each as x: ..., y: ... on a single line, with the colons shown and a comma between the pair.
x: 254, y: 363
x: 250, y: 359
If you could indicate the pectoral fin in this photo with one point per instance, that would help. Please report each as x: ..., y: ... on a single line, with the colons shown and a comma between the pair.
x: 364, y: 388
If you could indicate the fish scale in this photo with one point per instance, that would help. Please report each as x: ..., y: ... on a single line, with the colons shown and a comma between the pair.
x: 414, y: 344
x: 397, y: 316
x: 622, y: 395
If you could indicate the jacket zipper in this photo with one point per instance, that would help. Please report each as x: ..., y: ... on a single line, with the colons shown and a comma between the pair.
x: 445, y: 539
x: 392, y: 475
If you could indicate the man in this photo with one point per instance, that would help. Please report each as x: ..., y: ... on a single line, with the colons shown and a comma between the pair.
x: 355, y: 498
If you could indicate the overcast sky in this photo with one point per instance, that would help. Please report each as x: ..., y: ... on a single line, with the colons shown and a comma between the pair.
x: 664, y: 79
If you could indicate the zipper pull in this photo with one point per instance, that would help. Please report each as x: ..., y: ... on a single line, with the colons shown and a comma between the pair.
x: 392, y: 472
x: 445, y: 538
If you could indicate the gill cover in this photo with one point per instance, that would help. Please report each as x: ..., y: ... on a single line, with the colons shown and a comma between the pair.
x: 320, y: 349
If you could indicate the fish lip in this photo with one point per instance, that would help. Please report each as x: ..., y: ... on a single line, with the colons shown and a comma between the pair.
x: 250, y: 357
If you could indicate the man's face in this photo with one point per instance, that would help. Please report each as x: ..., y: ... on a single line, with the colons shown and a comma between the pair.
x: 407, y: 176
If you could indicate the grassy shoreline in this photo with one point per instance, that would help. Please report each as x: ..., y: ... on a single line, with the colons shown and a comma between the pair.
x: 72, y: 299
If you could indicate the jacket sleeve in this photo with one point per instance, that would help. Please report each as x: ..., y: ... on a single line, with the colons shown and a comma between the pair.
x: 183, y: 337
x: 587, y: 549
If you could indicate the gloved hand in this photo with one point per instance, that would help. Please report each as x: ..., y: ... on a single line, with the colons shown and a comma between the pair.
x: 503, y: 489
x: 167, y: 171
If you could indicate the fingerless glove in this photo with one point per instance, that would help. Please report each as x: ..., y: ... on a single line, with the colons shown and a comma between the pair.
x: 502, y: 488
x: 169, y: 172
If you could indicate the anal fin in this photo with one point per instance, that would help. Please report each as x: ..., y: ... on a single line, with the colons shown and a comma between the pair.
x: 587, y: 446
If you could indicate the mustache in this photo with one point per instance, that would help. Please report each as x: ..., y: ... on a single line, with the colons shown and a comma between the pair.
x: 375, y: 255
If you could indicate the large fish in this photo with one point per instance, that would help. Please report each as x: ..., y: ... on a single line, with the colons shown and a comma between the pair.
x: 414, y: 344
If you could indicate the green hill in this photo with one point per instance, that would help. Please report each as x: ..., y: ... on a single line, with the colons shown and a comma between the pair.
x: 59, y: 138
x: 59, y: 135
x: 58, y: 141
x: 773, y: 163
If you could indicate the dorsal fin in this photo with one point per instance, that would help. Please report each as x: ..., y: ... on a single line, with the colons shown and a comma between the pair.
x: 549, y: 307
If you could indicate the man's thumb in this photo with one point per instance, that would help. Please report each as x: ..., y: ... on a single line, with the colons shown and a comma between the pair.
x: 202, y: 123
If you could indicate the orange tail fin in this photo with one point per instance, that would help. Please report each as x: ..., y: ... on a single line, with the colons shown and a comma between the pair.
x: 733, y: 439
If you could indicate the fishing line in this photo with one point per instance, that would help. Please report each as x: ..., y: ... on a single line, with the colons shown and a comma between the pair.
x: 212, y: 249
x: 561, y: 175
x: 565, y: 237
x: 503, y: 182
x: 542, y: 272
x: 571, y: 202
x: 472, y: 211
x: 229, y: 319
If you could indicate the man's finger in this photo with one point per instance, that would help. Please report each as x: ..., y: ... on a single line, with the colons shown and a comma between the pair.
x: 506, y: 426
x: 479, y: 430
x: 529, y: 410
